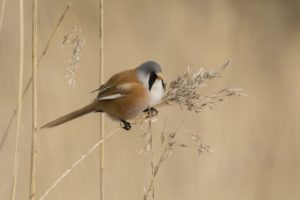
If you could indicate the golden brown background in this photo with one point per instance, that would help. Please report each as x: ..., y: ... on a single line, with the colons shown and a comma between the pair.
x: 256, y: 139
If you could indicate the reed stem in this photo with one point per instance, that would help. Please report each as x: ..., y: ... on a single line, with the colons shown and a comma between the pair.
x: 19, y: 109
x: 34, y: 103
x: 101, y: 76
x: 2, y: 13
x: 75, y: 164
x: 3, y: 138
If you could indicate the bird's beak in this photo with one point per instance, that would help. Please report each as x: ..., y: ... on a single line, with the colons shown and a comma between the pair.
x: 159, y: 76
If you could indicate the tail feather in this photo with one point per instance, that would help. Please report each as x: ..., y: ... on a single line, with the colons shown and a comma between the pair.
x: 73, y: 115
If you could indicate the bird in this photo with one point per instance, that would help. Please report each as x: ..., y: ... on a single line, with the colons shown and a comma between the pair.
x: 124, y: 96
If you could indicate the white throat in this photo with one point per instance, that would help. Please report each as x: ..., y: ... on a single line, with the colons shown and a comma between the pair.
x: 156, y: 93
x: 157, y: 90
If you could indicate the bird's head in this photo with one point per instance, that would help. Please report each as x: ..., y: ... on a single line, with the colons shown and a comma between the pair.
x: 149, y: 72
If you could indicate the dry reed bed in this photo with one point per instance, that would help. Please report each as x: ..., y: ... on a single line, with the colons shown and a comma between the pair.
x: 21, y: 93
x: 183, y: 91
x: 28, y: 84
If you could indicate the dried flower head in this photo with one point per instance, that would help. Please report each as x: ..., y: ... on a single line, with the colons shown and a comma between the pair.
x: 184, y: 90
x: 76, y: 40
x: 198, y: 142
x: 169, y: 143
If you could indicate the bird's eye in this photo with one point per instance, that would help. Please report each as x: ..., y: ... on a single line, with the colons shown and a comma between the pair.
x: 152, y: 79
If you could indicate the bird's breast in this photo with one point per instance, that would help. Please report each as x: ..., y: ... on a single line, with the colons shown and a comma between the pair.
x: 156, y: 93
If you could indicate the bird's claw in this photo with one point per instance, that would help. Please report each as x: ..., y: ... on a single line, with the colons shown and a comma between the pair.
x: 126, y: 125
x: 151, y: 112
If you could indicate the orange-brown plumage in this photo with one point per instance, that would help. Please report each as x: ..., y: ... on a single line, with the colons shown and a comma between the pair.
x: 136, y: 97
x: 123, y: 96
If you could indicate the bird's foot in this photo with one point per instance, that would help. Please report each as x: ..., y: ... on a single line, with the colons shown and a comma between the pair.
x: 126, y: 125
x: 152, y: 111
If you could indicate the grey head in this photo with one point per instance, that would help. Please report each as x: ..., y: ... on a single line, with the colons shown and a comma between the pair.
x: 147, y: 73
x: 149, y: 67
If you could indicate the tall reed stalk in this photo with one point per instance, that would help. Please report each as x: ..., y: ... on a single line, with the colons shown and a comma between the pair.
x: 152, y: 154
x: 34, y: 102
x: 19, y: 108
x: 14, y: 113
x: 101, y: 76
x: 2, y: 13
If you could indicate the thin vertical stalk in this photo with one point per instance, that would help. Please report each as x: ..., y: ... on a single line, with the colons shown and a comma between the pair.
x: 19, y: 109
x: 34, y: 102
x: 2, y: 13
x: 152, y: 153
x: 2, y: 140
x: 101, y: 76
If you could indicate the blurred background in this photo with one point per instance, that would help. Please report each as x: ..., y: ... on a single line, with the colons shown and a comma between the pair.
x: 256, y: 139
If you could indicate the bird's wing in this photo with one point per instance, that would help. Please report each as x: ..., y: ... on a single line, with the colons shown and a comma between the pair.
x: 113, y: 92
x: 117, y: 86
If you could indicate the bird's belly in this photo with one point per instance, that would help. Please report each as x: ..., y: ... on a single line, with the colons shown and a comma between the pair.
x: 125, y: 107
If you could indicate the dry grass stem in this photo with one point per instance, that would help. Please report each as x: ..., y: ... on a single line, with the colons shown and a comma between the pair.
x: 5, y: 134
x: 75, y: 164
x: 3, y: 139
x: 2, y: 13
x: 150, y: 144
x: 169, y: 142
x: 101, y: 77
x: 34, y: 103
x: 19, y: 110
x: 149, y: 148
x: 54, y: 31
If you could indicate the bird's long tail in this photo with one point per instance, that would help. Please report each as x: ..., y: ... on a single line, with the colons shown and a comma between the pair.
x: 73, y: 115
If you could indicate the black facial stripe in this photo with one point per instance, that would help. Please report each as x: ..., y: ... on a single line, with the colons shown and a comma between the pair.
x: 152, y: 79
x: 163, y: 84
